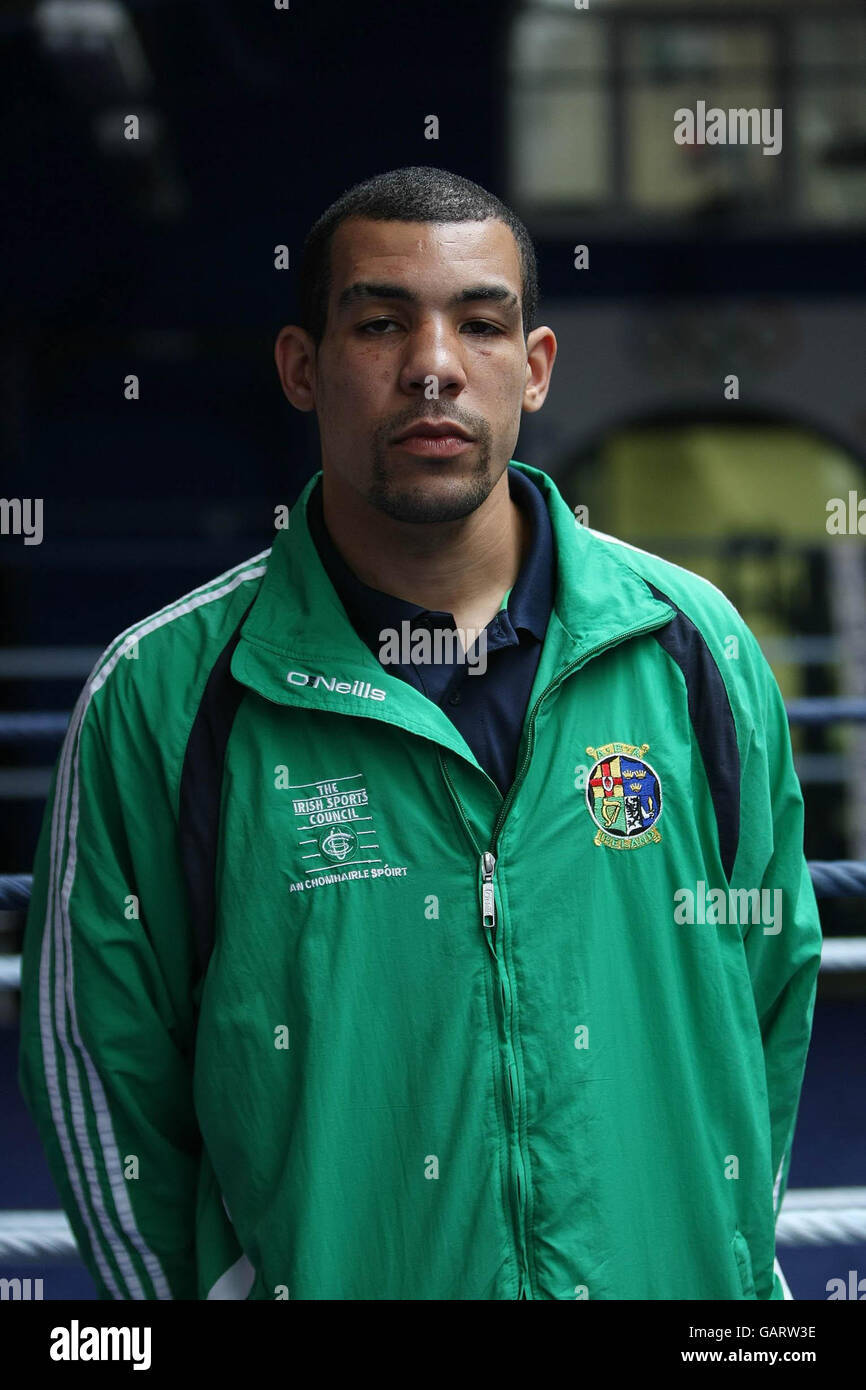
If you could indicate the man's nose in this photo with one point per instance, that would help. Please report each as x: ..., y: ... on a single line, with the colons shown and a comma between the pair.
x: 433, y: 349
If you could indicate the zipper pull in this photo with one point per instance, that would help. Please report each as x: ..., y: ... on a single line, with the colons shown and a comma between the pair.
x: 488, y: 906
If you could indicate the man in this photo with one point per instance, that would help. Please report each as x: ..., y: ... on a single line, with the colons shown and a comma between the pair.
x: 359, y: 967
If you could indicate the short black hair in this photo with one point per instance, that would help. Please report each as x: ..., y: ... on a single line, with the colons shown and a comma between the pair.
x: 416, y: 193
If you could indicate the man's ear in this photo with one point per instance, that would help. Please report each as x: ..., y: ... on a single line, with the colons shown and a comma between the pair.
x: 540, y: 357
x: 295, y: 356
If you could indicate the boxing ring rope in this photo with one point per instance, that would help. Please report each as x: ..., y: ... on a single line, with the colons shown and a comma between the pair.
x: 842, y: 878
x: 818, y: 1216
x: 809, y: 1216
x: 17, y: 727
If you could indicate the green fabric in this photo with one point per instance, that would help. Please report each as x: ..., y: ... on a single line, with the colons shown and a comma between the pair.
x: 395, y: 1101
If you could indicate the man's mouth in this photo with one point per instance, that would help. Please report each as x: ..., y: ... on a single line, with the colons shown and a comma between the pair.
x: 434, y: 438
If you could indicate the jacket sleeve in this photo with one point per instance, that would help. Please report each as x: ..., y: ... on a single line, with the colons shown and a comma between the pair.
x: 105, y: 1062
x: 783, y: 949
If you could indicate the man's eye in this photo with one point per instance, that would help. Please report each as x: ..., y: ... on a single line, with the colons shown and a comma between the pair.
x: 375, y: 323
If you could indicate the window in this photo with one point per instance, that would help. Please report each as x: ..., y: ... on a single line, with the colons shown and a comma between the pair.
x: 593, y: 95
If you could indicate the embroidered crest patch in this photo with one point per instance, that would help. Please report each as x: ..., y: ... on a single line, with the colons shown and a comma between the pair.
x: 623, y: 796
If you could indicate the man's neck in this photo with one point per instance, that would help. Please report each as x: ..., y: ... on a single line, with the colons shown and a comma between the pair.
x: 460, y: 567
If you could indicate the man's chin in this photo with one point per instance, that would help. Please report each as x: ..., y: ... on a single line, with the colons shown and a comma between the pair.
x: 440, y: 501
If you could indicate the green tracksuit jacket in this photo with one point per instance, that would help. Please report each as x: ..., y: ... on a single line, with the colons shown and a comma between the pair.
x: 448, y: 1045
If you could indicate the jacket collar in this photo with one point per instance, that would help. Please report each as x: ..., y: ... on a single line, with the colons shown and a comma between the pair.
x: 297, y: 627
x: 529, y: 600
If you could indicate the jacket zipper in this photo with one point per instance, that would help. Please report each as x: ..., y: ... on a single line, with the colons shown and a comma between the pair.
x: 519, y: 1188
x: 488, y: 922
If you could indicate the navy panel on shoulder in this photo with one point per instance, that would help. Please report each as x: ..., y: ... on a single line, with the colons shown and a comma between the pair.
x: 712, y: 720
x: 201, y: 789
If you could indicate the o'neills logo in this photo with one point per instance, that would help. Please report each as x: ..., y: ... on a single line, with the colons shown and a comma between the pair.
x: 363, y: 690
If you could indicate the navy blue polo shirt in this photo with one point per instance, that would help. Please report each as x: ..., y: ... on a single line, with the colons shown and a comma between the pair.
x: 488, y: 708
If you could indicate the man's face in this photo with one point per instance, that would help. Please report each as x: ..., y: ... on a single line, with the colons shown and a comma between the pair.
x: 400, y: 329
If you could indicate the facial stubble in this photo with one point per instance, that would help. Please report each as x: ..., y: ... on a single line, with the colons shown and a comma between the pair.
x: 397, y: 491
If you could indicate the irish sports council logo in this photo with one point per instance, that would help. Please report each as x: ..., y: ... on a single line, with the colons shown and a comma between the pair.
x: 338, y: 844
x: 334, y: 823
x: 623, y: 796
x: 336, y: 836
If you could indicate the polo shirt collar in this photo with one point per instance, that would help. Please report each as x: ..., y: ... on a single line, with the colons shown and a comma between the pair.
x: 369, y: 610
